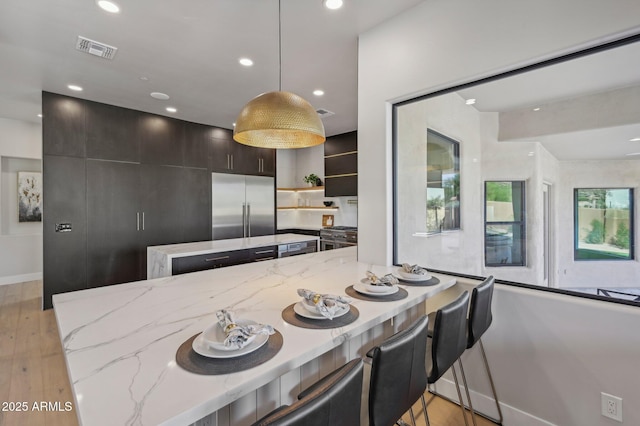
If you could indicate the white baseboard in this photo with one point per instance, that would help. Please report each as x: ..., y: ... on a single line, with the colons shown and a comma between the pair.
x: 486, y: 405
x: 14, y: 279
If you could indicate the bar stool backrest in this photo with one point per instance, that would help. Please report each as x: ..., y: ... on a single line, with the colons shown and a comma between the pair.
x: 333, y: 401
x: 480, y: 311
x: 449, y: 336
x: 398, y: 376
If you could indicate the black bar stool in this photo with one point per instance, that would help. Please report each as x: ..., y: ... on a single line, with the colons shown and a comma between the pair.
x: 398, y: 377
x: 333, y: 400
x: 447, y: 343
x: 479, y: 321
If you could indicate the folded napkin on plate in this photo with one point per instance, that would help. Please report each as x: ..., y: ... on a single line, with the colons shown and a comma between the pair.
x: 388, y: 280
x: 237, y: 335
x: 414, y: 269
x: 327, y: 304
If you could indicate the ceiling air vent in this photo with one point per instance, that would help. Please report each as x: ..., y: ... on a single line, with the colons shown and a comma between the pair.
x: 324, y: 113
x: 96, y: 48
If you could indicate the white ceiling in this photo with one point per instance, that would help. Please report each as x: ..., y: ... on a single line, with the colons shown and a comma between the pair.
x: 597, y: 73
x: 188, y: 49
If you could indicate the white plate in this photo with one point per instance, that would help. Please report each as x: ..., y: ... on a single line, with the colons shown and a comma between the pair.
x: 202, y: 348
x: 362, y: 288
x: 299, y: 309
x: 412, y: 277
x: 214, y: 336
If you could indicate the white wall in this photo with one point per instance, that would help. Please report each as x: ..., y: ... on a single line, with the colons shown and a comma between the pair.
x: 21, y: 246
x: 553, y: 355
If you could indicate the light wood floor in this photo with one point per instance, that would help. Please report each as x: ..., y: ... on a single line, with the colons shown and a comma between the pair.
x: 32, y: 367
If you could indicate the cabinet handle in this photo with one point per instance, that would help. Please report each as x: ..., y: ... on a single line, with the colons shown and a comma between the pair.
x: 143, y: 221
x: 264, y: 258
x: 137, y: 221
x: 216, y: 258
x: 259, y: 165
x: 264, y: 251
x: 228, y: 162
x: 231, y: 161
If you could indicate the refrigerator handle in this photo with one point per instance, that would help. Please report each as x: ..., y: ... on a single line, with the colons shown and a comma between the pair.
x: 249, y: 219
x: 244, y: 220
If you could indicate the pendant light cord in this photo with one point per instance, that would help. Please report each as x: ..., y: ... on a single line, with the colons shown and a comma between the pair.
x: 279, y: 47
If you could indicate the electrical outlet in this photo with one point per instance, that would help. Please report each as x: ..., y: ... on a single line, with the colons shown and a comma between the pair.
x: 611, y: 406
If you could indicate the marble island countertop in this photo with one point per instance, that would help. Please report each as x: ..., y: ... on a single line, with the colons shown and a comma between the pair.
x: 120, y: 341
x: 159, y: 257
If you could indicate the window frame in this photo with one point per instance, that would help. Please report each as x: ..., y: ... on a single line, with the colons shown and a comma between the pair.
x: 576, y: 231
x: 456, y: 165
x: 522, y: 223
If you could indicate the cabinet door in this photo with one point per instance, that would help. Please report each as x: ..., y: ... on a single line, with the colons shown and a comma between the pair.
x: 111, y: 132
x: 196, y: 214
x: 113, y: 223
x: 63, y: 125
x: 267, y: 161
x: 197, y: 141
x: 65, y: 253
x: 161, y: 140
x: 220, y: 154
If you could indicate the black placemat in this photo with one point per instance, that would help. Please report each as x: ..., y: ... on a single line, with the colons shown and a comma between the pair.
x: 398, y: 295
x: 426, y: 283
x: 290, y: 316
x: 191, y: 361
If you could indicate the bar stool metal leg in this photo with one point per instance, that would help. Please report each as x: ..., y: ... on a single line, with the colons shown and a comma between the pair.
x: 455, y: 379
x: 424, y: 408
x: 466, y: 389
x: 493, y: 387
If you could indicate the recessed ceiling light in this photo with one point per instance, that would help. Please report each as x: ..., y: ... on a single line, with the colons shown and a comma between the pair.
x: 172, y: 109
x: 160, y: 96
x: 470, y: 101
x: 109, y: 6
x: 75, y: 88
x: 536, y: 109
x: 634, y: 153
x: 40, y: 115
x: 143, y: 78
x: 234, y: 124
x: 634, y: 140
x: 246, y: 62
x: 531, y: 154
x: 318, y: 92
x: 333, y: 4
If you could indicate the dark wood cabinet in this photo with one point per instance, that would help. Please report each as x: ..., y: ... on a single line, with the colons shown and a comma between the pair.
x: 112, y: 133
x: 63, y: 125
x: 259, y: 254
x: 125, y: 180
x: 64, y: 263
x: 161, y: 140
x: 197, y: 141
x: 196, y: 209
x: 341, y: 165
x: 184, y: 265
x: 113, y: 223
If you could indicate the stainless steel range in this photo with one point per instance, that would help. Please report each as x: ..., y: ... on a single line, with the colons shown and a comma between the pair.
x: 338, y: 237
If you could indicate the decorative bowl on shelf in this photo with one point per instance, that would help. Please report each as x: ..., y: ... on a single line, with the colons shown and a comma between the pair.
x: 328, y: 203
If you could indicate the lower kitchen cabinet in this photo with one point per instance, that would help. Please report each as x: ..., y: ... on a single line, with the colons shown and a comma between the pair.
x: 184, y: 265
x: 259, y: 254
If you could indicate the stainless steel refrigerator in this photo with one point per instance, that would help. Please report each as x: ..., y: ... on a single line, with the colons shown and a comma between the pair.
x: 242, y: 206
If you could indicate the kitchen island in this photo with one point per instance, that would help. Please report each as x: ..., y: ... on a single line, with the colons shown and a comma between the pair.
x: 120, y: 341
x: 161, y: 259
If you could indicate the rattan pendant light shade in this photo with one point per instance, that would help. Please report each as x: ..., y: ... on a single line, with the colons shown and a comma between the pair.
x: 279, y: 119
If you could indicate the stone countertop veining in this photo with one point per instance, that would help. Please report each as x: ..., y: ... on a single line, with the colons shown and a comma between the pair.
x: 120, y: 341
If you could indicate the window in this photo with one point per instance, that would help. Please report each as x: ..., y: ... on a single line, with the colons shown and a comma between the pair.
x: 443, y: 183
x: 504, y: 224
x: 603, y: 224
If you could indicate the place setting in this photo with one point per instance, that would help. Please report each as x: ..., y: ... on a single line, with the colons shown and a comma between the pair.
x: 415, y: 275
x: 377, y: 289
x: 228, y: 346
x: 320, y: 311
